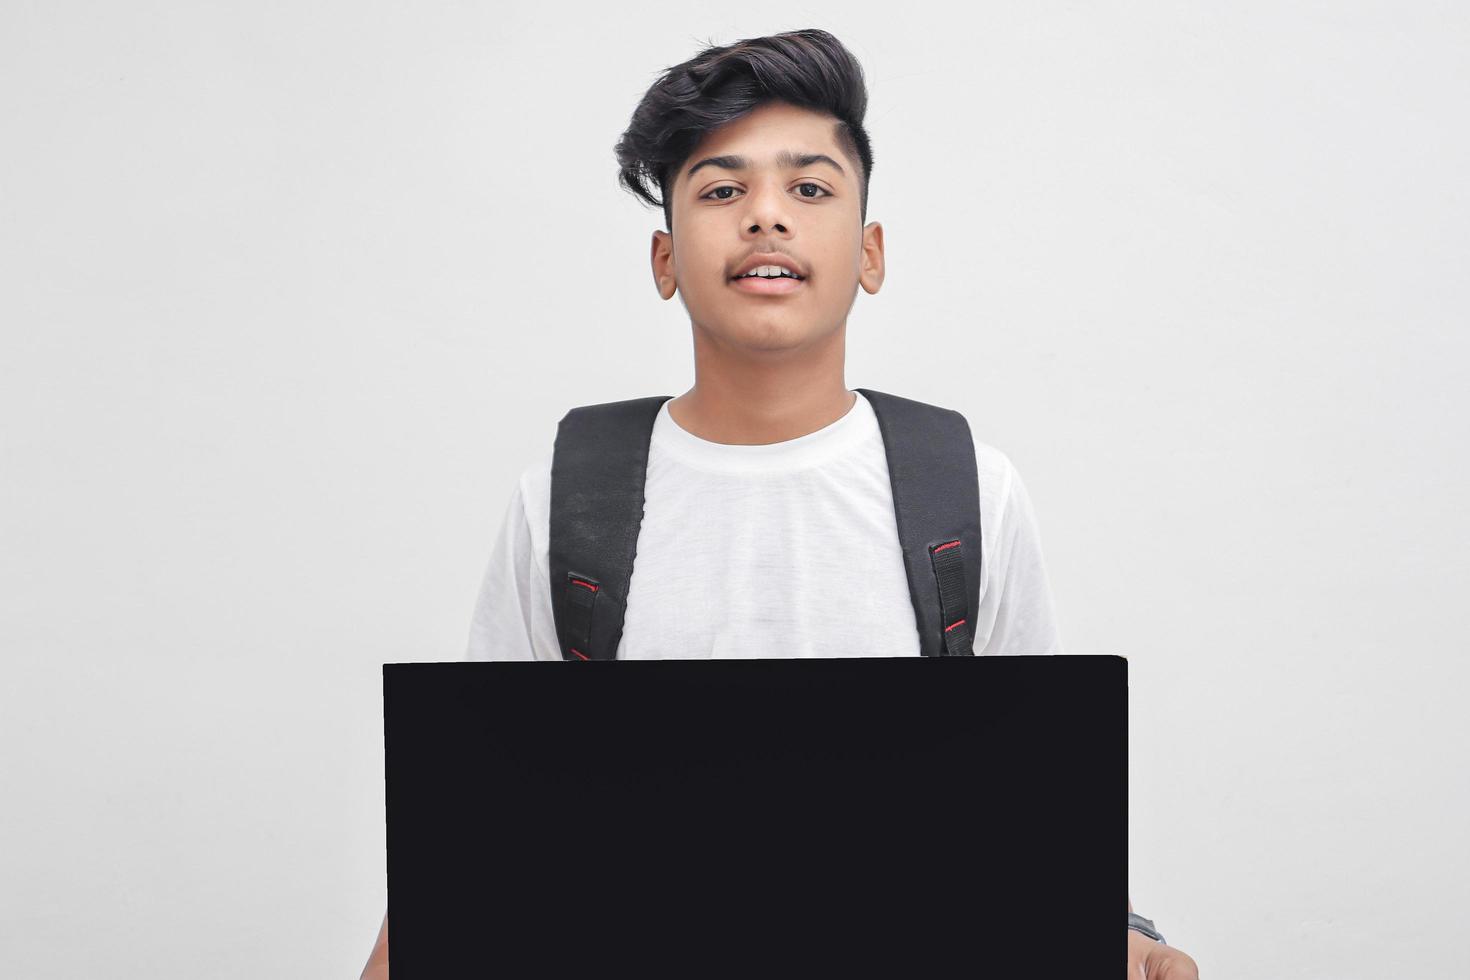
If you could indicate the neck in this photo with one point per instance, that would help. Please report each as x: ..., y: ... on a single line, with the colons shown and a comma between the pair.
x: 754, y: 398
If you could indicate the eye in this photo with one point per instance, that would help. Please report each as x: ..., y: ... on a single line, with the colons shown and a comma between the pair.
x: 727, y: 187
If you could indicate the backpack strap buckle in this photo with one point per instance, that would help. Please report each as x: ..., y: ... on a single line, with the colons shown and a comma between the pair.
x: 581, y: 593
x: 948, y: 560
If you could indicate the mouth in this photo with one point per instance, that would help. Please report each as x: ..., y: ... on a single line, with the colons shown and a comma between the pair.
x: 759, y: 286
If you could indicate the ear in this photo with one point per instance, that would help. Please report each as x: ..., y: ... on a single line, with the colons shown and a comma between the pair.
x: 870, y: 270
x: 663, y: 264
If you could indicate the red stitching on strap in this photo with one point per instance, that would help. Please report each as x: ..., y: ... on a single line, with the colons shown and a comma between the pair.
x: 953, y: 625
x: 579, y: 653
x: 577, y: 581
x: 943, y: 546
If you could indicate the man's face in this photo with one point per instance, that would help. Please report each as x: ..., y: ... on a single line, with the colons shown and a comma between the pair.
x: 806, y: 211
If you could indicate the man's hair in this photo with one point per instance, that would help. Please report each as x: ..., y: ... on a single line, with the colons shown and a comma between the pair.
x: 808, y: 68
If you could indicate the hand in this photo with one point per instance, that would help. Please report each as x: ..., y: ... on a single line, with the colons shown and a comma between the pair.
x: 377, y: 964
x: 1150, y: 960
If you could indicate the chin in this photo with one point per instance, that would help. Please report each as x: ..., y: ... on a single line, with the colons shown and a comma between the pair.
x: 770, y: 336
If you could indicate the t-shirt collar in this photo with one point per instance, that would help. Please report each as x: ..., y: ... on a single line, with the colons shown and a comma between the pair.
x: 832, y: 440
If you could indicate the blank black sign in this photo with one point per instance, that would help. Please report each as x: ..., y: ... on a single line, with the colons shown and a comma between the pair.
x: 948, y: 816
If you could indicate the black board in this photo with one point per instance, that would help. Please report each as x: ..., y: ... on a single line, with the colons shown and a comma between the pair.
x: 952, y: 816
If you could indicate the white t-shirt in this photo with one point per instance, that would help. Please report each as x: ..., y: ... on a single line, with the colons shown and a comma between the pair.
x: 782, y: 550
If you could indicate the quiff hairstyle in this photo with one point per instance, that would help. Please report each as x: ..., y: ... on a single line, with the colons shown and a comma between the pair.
x: 808, y: 68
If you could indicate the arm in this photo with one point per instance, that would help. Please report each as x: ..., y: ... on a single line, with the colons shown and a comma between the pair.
x: 377, y: 964
x: 513, y: 618
x: 511, y: 604
x: 1018, y: 594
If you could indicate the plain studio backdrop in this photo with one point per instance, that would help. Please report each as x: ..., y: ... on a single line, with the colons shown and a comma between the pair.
x: 291, y: 294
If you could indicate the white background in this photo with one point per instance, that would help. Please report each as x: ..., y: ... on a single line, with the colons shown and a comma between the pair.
x: 291, y: 293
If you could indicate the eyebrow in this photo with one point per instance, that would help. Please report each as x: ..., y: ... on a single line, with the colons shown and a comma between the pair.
x: 788, y: 159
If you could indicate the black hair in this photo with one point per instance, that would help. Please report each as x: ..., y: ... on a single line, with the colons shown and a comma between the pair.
x: 808, y: 68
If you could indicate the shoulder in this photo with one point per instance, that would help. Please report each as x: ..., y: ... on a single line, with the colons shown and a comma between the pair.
x: 994, y: 472
x: 535, y: 478
x: 996, y: 476
x: 534, y: 490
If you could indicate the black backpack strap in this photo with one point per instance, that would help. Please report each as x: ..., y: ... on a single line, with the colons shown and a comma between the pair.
x: 598, y: 467
x: 936, y: 501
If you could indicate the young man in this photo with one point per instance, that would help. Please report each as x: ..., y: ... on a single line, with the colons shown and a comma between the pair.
x: 767, y: 479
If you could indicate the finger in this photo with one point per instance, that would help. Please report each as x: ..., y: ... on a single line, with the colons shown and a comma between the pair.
x: 1175, y: 966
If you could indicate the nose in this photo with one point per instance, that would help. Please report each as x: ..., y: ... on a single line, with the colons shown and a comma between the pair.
x: 767, y: 207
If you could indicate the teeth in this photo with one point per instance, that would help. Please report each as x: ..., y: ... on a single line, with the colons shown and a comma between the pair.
x: 769, y: 271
